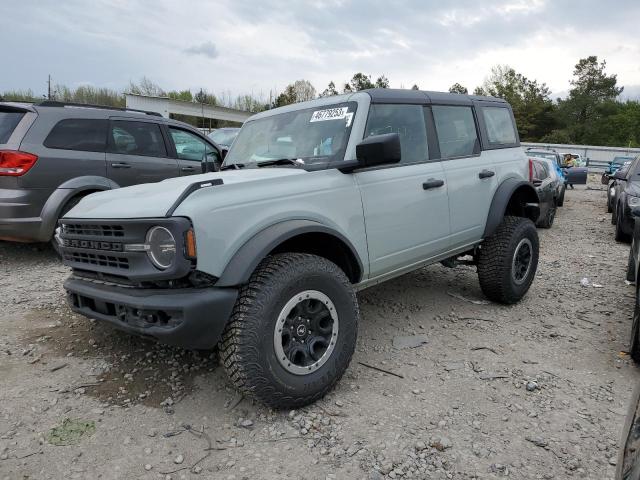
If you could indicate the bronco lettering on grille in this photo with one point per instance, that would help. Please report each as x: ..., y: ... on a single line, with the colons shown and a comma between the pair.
x: 94, y: 245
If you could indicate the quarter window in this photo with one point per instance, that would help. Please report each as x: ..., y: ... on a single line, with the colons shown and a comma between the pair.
x: 499, y: 125
x: 86, y: 135
x: 405, y: 120
x: 136, y: 138
x: 457, y: 135
x: 192, y: 147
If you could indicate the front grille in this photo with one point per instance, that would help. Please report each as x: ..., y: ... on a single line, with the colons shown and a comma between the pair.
x: 97, y: 259
x: 94, y: 230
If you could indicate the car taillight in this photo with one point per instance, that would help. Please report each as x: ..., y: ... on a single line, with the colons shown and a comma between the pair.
x: 15, y: 164
x: 530, y: 170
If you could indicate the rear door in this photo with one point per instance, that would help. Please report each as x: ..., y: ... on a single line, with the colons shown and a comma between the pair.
x: 137, y: 153
x: 190, y: 150
x: 546, y: 187
x: 470, y: 174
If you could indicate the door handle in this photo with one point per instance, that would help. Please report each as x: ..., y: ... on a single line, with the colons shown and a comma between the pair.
x: 432, y: 183
x: 188, y: 169
x: 486, y: 174
x: 120, y: 165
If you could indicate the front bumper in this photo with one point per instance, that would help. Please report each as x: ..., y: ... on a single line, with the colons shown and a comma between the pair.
x: 188, y: 317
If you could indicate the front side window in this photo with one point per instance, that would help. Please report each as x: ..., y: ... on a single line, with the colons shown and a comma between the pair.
x: 500, y: 129
x: 306, y: 137
x: 191, y: 147
x: 136, y: 138
x: 457, y: 135
x: 405, y: 120
x: 85, y: 135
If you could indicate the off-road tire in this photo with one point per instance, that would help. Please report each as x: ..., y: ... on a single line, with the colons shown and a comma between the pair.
x: 634, y: 343
x: 247, y: 348
x: 620, y: 235
x: 547, y: 221
x: 495, y: 260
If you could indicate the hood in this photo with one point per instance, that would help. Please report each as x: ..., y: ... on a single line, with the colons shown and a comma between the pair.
x: 153, y: 200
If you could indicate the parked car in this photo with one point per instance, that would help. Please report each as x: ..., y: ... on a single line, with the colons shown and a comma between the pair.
x: 548, y: 187
x: 618, y: 178
x: 628, y: 463
x: 224, y: 137
x: 572, y: 175
x: 555, y: 172
x: 316, y: 201
x: 53, y: 154
x: 625, y: 196
x: 614, y: 166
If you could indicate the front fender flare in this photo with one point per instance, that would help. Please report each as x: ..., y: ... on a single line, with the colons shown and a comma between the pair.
x: 528, y: 197
x: 246, y: 259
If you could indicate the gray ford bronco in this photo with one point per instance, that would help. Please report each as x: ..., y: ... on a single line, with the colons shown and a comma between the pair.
x: 314, y: 202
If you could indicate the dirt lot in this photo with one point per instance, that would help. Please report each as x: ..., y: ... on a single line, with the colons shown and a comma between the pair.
x: 534, y: 391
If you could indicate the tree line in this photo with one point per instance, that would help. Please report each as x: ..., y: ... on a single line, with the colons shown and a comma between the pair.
x: 592, y: 112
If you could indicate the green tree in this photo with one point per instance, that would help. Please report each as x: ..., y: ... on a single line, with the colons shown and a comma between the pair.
x: 591, y: 99
x: 457, y: 88
x: 182, y: 95
x: 205, y: 97
x: 358, y: 82
x: 415, y: 87
x: 530, y: 100
x: 330, y: 90
x: 146, y: 87
x: 382, y: 82
x: 298, y: 91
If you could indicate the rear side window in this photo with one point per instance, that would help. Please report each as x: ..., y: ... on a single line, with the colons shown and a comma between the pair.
x: 8, y: 123
x: 500, y: 128
x: 405, y: 120
x: 457, y: 135
x: 78, y: 134
x: 540, y: 171
x: 136, y: 138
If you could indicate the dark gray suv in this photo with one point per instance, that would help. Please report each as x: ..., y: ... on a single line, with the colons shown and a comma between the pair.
x: 52, y: 154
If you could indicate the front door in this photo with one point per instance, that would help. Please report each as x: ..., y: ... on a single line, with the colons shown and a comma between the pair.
x: 137, y: 153
x: 470, y: 174
x: 405, y: 205
x: 191, y: 151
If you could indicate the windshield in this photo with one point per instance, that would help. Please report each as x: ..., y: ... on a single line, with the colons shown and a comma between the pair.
x: 224, y: 136
x: 621, y: 160
x: 548, y: 156
x: 311, y: 136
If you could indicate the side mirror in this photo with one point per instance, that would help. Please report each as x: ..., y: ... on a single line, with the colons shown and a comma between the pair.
x: 635, y: 211
x: 378, y: 150
x: 208, y: 165
x: 536, y: 182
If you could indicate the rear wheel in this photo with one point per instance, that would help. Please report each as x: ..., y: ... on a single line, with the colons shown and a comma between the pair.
x: 631, y: 266
x: 508, y: 260
x: 292, y: 332
x: 547, y: 221
x: 561, y: 199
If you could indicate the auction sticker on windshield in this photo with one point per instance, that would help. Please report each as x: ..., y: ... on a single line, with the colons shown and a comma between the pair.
x: 329, y: 114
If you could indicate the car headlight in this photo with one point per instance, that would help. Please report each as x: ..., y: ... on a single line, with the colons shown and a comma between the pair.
x: 633, y: 201
x: 161, y: 247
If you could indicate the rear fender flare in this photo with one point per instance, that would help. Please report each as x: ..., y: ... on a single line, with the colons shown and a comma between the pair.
x: 524, y: 193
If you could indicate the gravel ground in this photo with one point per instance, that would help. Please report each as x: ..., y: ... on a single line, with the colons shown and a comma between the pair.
x: 533, y: 391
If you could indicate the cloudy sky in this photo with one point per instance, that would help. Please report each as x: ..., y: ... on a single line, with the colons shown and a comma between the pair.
x: 261, y: 45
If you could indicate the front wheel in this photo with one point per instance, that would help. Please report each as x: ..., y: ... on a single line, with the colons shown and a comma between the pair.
x: 508, y: 260
x: 292, y: 332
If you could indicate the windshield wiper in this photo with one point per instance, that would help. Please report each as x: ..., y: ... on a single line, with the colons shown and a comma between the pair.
x: 281, y: 161
x: 235, y: 166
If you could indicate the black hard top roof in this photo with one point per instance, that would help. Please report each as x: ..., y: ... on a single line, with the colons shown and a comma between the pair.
x: 394, y: 95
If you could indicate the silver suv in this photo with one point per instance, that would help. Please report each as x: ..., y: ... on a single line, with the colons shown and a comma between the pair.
x: 316, y: 201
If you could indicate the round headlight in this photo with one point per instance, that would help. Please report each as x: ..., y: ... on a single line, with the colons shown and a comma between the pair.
x: 162, y: 247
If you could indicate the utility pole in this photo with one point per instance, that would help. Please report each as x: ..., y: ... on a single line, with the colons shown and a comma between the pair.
x: 49, y: 88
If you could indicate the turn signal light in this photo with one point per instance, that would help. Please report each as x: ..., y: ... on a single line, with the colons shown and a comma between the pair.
x: 15, y: 164
x: 190, y: 243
